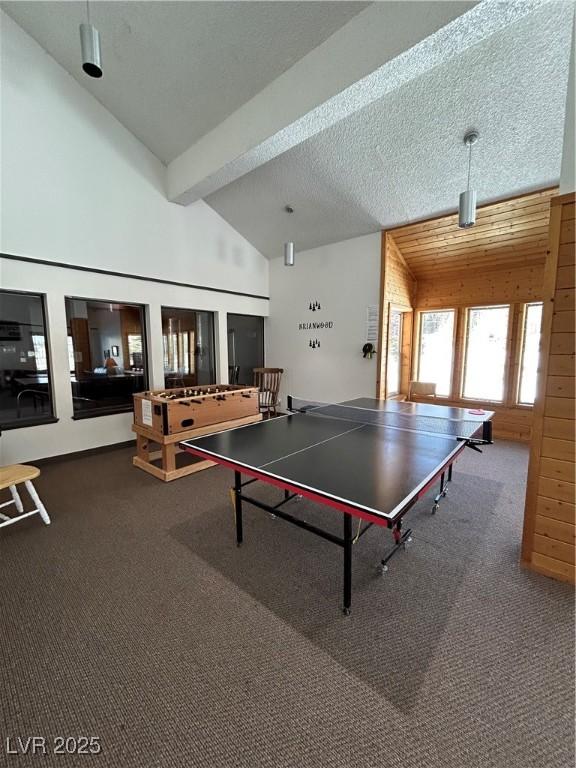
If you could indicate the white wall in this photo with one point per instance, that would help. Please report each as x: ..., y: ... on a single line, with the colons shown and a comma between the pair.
x: 344, y: 278
x: 78, y: 188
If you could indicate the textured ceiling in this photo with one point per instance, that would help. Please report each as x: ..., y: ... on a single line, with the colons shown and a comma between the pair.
x: 174, y: 70
x: 402, y: 159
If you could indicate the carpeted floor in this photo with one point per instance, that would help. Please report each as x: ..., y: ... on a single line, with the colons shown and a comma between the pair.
x: 134, y: 618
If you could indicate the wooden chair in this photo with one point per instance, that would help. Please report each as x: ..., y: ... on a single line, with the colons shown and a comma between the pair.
x: 233, y: 374
x: 268, y: 382
x: 421, y: 389
x: 12, y: 476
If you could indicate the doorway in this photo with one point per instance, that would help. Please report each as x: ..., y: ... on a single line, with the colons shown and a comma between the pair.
x: 245, y: 347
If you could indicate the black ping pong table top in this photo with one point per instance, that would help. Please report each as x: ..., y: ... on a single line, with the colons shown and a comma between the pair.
x: 368, y: 468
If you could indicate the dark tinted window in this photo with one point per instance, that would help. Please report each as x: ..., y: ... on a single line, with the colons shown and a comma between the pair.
x: 107, y: 355
x: 25, y: 385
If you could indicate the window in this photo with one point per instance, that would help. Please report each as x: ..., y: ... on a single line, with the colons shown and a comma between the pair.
x: 245, y: 347
x: 530, y: 348
x: 106, y: 354
x: 485, y: 354
x: 188, y: 346
x: 25, y: 386
x: 393, y: 360
x: 436, y: 349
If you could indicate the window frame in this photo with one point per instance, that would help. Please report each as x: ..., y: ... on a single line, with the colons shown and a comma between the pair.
x: 52, y: 417
x: 508, y: 363
x: 418, y: 345
x: 521, y: 348
x: 145, y: 308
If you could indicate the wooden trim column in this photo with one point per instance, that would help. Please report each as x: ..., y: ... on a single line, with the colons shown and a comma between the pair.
x: 549, y: 536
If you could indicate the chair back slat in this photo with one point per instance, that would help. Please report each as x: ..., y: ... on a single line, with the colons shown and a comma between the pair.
x: 268, y: 382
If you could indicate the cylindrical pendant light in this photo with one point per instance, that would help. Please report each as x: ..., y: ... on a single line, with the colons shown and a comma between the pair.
x: 288, y: 254
x: 467, y: 209
x: 90, y: 44
x: 289, y: 247
x: 467, y: 206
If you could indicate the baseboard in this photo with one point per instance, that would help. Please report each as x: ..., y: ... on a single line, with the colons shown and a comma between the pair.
x: 83, y: 454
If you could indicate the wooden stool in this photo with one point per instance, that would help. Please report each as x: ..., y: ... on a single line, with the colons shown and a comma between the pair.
x: 12, y: 476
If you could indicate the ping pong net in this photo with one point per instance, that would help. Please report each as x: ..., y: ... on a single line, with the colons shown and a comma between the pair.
x: 462, y: 429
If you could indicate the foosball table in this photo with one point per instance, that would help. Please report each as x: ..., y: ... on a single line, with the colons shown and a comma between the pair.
x: 164, y: 417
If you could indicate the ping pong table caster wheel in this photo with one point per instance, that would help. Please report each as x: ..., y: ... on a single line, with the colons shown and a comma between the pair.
x: 346, y: 611
x: 435, y: 508
x: 406, y: 543
x: 274, y: 517
x: 382, y: 569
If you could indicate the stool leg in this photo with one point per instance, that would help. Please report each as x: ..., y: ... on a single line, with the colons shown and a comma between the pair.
x: 17, y: 499
x: 36, y: 499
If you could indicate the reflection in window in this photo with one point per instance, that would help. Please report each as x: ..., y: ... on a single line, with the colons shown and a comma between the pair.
x: 71, y: 361
x: 393, y: 357
x: 188, y: 347
x: 25, y: 391
x: 530, y: 349
x: 106, y: 355
x: 436, y: 349
x: 39, y: 343
x: 485, y: 361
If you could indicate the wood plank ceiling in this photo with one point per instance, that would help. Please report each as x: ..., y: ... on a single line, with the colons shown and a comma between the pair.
x: 512, y: 233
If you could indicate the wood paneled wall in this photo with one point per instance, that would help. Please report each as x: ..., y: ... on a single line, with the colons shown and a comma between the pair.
x: 503, y: 285
x: 81, y: 342
x: 130, y: 323
x: 549, y: 525
x: 397, y: 288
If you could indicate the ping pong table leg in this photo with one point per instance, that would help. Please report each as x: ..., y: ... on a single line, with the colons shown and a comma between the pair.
x: 347, y: 564
x: 238, y: 506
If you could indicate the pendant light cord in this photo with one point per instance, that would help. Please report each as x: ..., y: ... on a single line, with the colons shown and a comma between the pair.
x: 88, y: 10
x: 469, y: 165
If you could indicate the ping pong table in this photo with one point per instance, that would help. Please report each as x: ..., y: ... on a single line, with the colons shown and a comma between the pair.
x: 368, y: 459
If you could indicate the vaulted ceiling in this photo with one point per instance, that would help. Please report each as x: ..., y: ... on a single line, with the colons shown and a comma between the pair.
x: 353, y: 113
x: 175, y: 70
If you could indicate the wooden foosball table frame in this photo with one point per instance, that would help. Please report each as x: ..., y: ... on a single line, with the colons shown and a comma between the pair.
x: 165, y: 417
x: 152, y: 445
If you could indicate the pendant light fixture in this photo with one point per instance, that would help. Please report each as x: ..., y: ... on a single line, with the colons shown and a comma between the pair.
x: 90, y: 43
x: 289, y: 246
x: 467, y: 207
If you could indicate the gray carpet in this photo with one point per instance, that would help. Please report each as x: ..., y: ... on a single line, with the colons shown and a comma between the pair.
x: 135, y: 618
